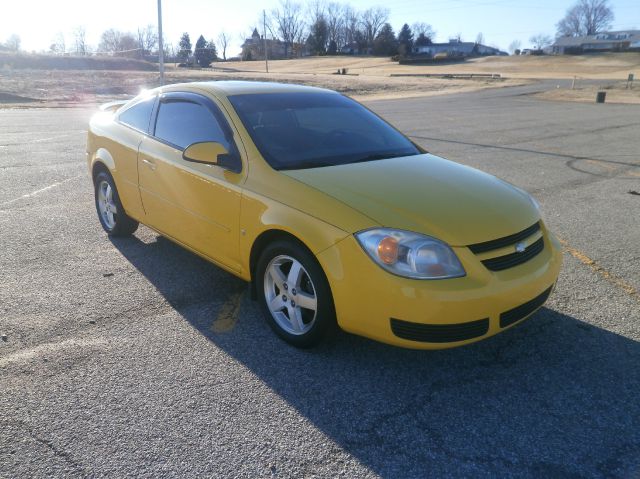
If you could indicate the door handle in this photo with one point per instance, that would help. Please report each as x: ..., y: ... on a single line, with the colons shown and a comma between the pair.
x: 149, y: 163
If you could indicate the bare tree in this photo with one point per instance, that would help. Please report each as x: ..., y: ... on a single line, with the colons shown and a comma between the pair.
x: 80, y: 40
x: 147, y: 38
x: 514, y: 45
x: 110, y: 41
x: 424, y: 30
x: 289, y: 23
x: 13, y: 43
x: 421, y: 28
x: 372, y: 21
x: 316, y: 10
x: 58, y: 45
x: 335, y: 22
x: 118, y: 43
x: 586, y: 17
x: 318, y: 39
x: 223, y: 43
x: 480, y: 39
x: 350, y: 24
x: 540, y: 41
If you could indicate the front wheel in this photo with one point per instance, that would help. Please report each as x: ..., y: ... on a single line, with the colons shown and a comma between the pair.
x: 111, y: 214
x: 294, y: 294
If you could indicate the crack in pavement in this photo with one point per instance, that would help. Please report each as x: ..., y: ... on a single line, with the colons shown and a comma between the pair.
x: 48, y: 444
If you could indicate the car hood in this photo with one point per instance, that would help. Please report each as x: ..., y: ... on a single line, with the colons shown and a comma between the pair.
x: 429, y: 195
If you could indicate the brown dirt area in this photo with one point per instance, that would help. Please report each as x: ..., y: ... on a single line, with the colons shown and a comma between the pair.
x: 368, y: 77
x: 65, y: 87
x: 615, y: 93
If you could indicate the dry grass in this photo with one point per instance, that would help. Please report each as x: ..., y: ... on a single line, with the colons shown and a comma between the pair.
x: 603, y: 66
x: 55, y: 62
x: 60, y: 88
x: 616, y: 93
x: 368, y: 77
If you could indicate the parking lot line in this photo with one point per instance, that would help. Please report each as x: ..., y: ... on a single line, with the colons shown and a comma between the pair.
x: 41, y: 190
x: 610, y: 277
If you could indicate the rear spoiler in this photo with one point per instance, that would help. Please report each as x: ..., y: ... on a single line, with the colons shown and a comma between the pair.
x: 113, y: 106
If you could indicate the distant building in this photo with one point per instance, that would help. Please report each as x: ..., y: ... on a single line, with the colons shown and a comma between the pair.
x: 456, y: 48
x: 600, y: 42
x: 351, y: 48
x: 253, y: 48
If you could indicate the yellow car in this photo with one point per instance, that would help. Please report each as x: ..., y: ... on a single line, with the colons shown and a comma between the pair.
x: 333, y: 216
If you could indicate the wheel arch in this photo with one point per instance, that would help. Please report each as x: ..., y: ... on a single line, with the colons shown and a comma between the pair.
x: 102, y: 161
x: 260, y: 243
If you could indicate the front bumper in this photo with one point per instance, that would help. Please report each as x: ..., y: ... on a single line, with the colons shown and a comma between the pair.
x: 436, y: 314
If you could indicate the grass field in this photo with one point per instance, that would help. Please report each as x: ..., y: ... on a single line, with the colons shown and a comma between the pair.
x: 603, y: 66
x: 45, y: 80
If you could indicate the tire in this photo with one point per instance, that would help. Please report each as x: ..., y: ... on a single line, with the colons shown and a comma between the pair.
x: 294, y: 294
x: 111, y: 214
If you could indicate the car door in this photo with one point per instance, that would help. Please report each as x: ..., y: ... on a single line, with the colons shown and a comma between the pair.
x: 196, y: 204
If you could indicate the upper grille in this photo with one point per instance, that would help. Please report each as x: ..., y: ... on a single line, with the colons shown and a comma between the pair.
x: 439, y: 333
x: 516, y: 314
x: 505, y: 241
x: 514, y: 259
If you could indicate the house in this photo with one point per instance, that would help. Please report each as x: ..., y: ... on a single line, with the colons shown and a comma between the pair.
x: 456, y: 48
x: 253, y: 48
x: 351, y: 48
x: 620, y: 41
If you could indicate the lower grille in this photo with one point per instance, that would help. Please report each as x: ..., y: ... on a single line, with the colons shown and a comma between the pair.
x: 514, y: 259
x: 439, y: 333
x: 516, y: 314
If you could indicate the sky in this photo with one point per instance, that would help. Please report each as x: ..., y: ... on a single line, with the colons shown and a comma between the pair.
x: 38, y: 22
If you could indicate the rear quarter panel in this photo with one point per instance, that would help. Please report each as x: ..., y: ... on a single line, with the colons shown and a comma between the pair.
x: 116, y: 147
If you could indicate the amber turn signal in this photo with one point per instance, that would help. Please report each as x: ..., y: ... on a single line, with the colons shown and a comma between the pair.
x: 388, y: 250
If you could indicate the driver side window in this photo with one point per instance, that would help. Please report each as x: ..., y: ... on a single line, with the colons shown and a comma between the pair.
x: 182, y: 123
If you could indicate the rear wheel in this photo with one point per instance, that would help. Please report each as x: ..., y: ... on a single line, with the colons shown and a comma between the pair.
x: 111, y: 214
x: 294, y: 294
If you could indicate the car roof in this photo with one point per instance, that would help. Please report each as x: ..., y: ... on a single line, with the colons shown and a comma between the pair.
x: 229, y: 88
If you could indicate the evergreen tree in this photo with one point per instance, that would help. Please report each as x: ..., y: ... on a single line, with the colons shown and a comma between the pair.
x: 205, y: 52
x: 333, y: 48
x: 318, y: 37
x: 385, y: 42
x: 405, y: 40
x: 185, y: 47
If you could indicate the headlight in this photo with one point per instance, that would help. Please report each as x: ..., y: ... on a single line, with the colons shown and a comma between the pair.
x: 411, y: 255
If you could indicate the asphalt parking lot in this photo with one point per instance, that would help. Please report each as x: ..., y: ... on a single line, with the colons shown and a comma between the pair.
x: 135, y: 357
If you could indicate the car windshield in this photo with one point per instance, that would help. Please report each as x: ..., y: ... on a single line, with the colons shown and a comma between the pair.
x: 313, y: 129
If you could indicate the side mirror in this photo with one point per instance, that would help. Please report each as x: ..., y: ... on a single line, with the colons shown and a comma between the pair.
x: 207, y: 152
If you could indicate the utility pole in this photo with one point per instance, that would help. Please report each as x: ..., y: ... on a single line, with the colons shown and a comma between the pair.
x: 264, y: 37
x: 160, y: 45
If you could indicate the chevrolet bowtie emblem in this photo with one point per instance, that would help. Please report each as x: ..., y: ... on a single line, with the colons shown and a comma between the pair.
x: 520, y: 247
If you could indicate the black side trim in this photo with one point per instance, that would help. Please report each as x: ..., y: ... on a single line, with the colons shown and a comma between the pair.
x: 439, y: 333
x: 514, y: 259
x: 506, y: 241
x: 516, y: 314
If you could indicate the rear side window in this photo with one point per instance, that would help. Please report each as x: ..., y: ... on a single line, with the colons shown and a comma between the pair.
x: 182, y: 123
x: 138, y: 115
